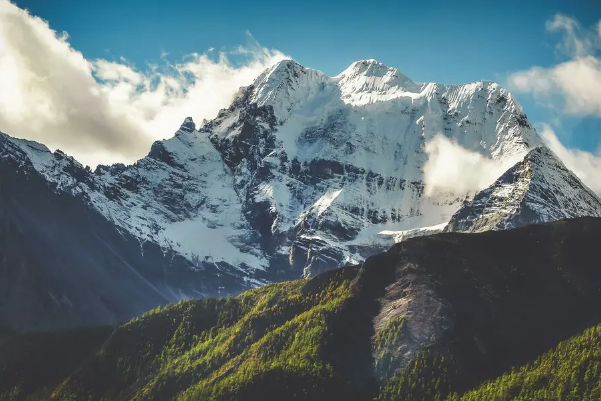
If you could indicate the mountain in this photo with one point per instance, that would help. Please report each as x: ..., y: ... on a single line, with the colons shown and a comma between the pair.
x: 432, y: 317
x: 326, y: 163
x: 63, y: 264
x: 298, y: 176
x: 537, y: 189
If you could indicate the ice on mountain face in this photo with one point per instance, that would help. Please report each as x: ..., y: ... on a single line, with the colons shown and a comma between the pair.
x: 181, y: 197
x: 38, y: 154
x: 288, y: 86
x: 322, y: 204
x: 319, y: 120
x: 537, y: 189
x: 59, y: 169
x: 369, y: 81
x: 302, y: 173
x: 298, y: 136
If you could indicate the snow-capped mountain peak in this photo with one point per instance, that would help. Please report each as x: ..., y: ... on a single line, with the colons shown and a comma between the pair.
x: 326, y: 163
x: 371, y: 68
x: 298, y: 175
x: 368, y: 76
x: 537, y: 189
x: 287, y: 86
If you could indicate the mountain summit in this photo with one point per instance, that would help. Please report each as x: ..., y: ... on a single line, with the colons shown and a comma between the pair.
x: 325, y: 163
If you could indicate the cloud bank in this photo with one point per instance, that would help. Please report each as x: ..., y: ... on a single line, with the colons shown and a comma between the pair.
x: 104, y: 111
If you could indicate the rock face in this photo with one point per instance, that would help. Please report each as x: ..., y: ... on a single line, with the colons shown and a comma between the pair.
x: 325, y: 163
x: 296, y: 177
x: 537, y: 189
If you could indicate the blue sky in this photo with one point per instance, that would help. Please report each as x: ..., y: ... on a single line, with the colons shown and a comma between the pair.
x: 440, y: 41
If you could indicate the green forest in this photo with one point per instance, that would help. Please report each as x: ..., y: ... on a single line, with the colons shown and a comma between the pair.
x: 315, y: 339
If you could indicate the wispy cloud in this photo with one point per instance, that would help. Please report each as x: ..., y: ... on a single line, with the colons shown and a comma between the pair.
x: 105, y: 111
x: 450, y: 167
x: 573, y: 85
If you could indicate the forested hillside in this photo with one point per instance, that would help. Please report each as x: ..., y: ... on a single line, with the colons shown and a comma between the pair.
x: 432, y: 319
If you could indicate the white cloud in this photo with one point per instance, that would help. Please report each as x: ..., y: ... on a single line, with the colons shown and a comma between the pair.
x: 573, y: 85
x: 586, y: 165
x: 111, y: 71
x: 104, y: 111
x: 450, y: 167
